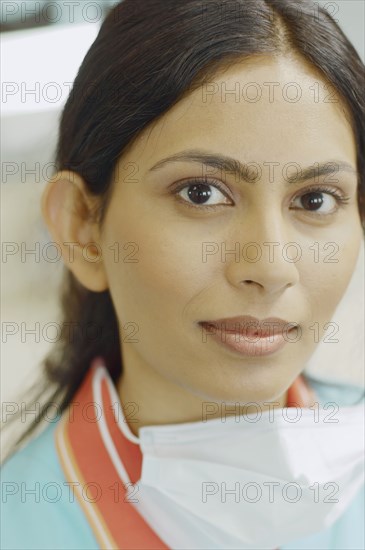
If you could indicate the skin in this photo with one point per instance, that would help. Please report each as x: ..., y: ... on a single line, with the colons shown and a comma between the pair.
x: 170, y: 372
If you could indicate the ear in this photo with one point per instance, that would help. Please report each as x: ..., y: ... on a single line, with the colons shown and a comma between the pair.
x: 67, y: 209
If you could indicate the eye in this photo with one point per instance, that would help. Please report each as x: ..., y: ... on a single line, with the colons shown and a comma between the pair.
x: 202, y: 193
x: 321, y: 201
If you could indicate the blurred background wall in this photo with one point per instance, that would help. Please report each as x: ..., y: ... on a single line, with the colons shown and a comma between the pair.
x: 42, y: 45
x: 21, y: 15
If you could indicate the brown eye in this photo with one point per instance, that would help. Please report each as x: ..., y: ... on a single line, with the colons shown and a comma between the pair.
x: 312, y: 201
x: 320, y: 201
x: 202, y: 193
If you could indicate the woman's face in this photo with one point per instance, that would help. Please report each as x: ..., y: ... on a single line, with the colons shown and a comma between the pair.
x: 266, y: 247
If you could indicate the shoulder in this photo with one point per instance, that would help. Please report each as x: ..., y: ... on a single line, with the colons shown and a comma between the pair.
x: 347, y: 533
x: 38, y: 453
x: 341, y: 394
x: 38, y: 507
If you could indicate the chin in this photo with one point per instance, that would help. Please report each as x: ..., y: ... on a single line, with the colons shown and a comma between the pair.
x: 243, y: 393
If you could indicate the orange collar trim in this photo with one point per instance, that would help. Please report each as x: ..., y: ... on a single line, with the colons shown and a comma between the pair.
x: 102, y: 465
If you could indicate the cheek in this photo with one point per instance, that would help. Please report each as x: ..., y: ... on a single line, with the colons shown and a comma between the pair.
x: 167, y: 271
x: 326, y: 273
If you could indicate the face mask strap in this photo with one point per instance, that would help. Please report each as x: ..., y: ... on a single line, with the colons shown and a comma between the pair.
x: 120, y: 419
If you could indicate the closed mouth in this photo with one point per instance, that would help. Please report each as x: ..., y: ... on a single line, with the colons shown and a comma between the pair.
x: 250, y: 326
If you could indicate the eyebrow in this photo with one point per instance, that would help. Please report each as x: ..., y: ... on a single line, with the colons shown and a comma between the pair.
x: 232, y: 165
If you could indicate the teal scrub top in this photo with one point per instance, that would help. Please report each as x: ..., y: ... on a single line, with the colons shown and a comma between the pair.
x: 38, y: 511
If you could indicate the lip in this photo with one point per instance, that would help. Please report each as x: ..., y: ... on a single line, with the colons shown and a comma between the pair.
x: 249, y: 335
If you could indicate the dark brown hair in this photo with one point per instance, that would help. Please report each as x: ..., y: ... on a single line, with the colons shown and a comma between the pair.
x: 146, y: 57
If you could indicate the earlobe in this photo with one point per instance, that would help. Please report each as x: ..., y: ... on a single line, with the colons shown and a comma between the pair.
x: 66, y: 209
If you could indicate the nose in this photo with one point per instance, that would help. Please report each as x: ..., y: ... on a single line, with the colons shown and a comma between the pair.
x: 268, y: 262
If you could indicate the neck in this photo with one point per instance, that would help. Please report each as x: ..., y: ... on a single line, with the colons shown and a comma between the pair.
x: 149, y: 399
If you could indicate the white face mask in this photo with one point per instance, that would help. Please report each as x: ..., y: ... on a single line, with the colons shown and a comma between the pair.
x: 247, y: 484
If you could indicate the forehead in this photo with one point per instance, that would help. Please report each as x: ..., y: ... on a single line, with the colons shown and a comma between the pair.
x: 263, y: 110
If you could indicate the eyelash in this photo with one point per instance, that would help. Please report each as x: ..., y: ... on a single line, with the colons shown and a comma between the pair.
x: 201, y: 181
x: 341, y: 199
